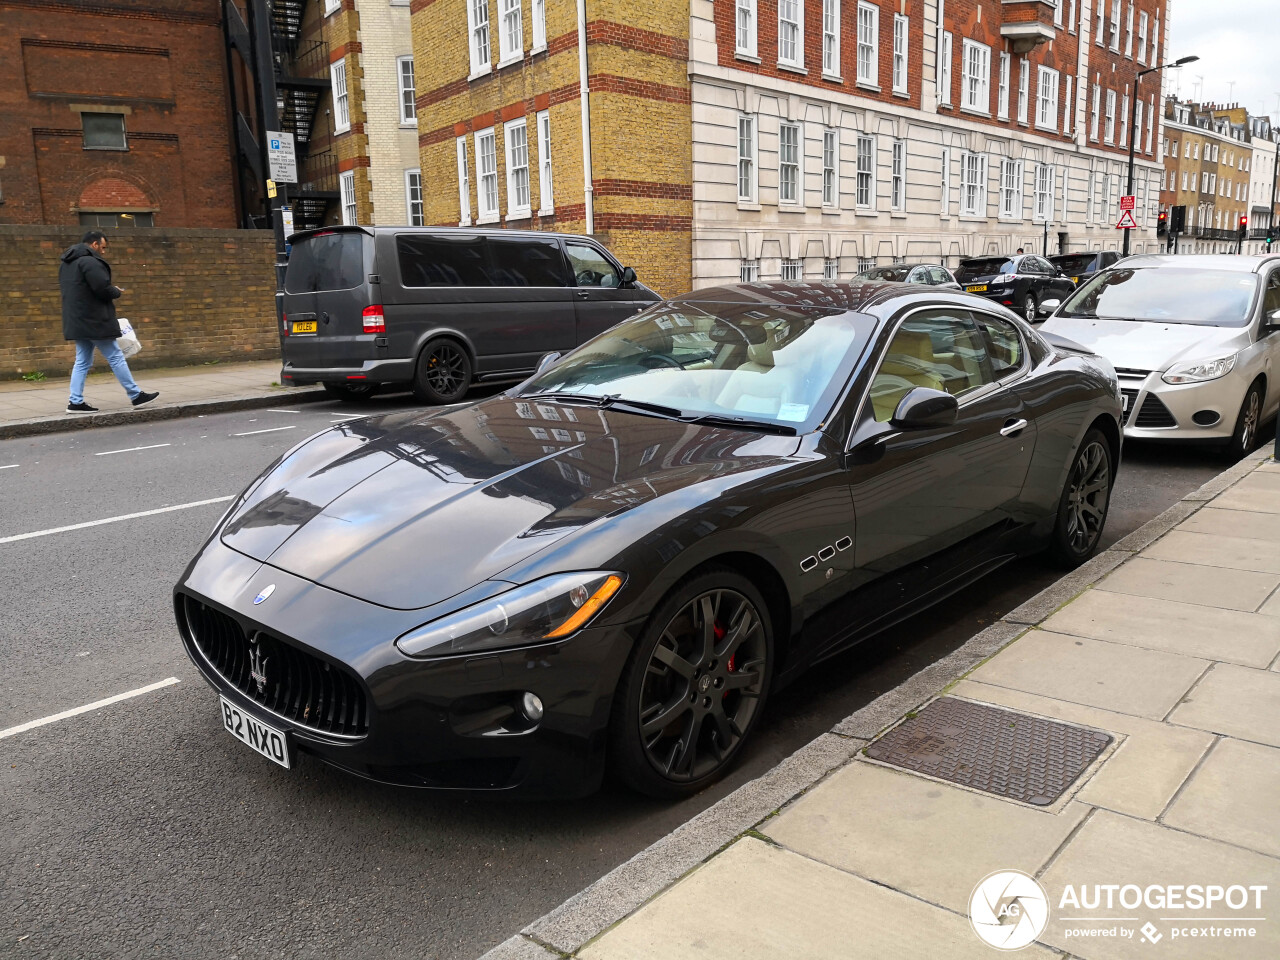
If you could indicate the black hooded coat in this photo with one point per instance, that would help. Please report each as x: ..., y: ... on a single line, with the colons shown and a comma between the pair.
x: 88, y: 296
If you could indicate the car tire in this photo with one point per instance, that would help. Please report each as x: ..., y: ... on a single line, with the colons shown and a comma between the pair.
x: 1244, y: 438
x: 1029, y: 308
x: 1085, y: 500
x: 351, y: 392
x: 443, y: 374
x: 691, y: 695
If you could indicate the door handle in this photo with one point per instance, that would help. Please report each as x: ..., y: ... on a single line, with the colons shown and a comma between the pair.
x: 583, y: 294
x: 1013, y: 427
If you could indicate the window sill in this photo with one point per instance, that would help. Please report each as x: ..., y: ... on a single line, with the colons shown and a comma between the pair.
x: 790, y: 208
x: 944, y: 106
x: 972, y: 218
x: 485, y: 220
x: 516, y: 58
x: 482, y: 72
x: 749, y: 205
x: 1002, y: 117
x: 465, y: 223
x: 865, y: 212
x: 792, y: 68
x: 748, y: 57
x: 540, y: 48
x: 110, y: 149
x: 514, y: 215
x: 833, y: 77
x: 974, y: 111
x: 1049, y: 128
x: 338, y: 131
x: 903, y: 94
x: 868, y: 85
x: 408, y: 124
x: 898, y: 214
x: 831, y: 211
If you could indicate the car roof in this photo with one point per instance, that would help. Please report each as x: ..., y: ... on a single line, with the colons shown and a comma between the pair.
x: 1201, y: 261
x: 907, y: 263
x: 437, y: 231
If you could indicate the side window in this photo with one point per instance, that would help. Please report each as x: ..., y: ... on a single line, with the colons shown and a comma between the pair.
x: 939, y: 349
x: 427, y: 261
x: 918, y: 275
x: 1004, y: 345
x: 526, y: 262
x: 939, y: 275
x: 1271, y: 300
x: 590, y: 267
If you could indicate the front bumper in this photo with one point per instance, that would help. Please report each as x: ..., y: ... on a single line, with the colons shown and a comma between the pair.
x: 448, y: 724
x: 1162, y: 411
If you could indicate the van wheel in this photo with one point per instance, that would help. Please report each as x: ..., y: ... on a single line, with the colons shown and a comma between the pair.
x: 351, y: 391
x: 443, y: 374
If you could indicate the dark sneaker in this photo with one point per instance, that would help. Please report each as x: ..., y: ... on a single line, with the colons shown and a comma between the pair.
x: 144, y: 397
x: 80, y: 408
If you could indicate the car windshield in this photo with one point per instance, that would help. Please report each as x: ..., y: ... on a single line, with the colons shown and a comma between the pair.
x: 756, y: 361
x: 1074, y: 264
x: 1213, y: 298
x: 897, y: 274
x: 985, y: 267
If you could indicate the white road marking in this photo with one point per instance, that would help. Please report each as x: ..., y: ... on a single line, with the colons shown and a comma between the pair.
x: 274, y: 410
x: 127, y: 516
x: 8, y: 466
x: 250, y: 433
x: 153, y: 446
x: 96, y: 705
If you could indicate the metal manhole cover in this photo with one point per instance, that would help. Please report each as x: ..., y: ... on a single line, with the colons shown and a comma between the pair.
x: 997, y: 751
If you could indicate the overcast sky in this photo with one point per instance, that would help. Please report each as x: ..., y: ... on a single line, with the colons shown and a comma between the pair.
x: 1235, y: 40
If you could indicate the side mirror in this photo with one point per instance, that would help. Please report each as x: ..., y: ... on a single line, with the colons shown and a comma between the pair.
x: 1047, y: 307
x: 925, y: 407
x: 1270, y: 322
x: 547, y: 360
x: 628, y: 276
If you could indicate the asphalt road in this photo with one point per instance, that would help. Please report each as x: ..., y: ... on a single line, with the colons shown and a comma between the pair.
x: 141, y: 829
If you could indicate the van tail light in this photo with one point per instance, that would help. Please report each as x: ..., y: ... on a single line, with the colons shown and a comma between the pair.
x: 374, y: 321
x: 284, y: 324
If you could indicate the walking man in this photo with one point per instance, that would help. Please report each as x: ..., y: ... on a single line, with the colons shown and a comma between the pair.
x: 89, y: 318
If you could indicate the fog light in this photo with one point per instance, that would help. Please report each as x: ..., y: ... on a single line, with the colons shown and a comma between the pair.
x: 1206, y: 418
x: 531, y: 704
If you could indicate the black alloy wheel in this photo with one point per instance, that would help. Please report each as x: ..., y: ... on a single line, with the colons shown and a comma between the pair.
x: 443, y: 374
x: 351, y: 391
x: 1082, y: 510
x: 1245, y: 436
x: 1029, y: 307
x: 694, y: 686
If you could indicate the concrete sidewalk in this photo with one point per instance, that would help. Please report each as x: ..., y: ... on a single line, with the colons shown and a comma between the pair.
x: 1163, y: 652
x: 27, y: 409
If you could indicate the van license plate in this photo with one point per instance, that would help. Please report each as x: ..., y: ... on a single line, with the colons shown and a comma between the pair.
x: 304, y: 326
x: 1075, y: 279
x: 254, y: 734
x: 976, y: 288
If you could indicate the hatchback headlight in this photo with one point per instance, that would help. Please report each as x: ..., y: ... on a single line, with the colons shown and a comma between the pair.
x: 548, y: 609
x: 1199, y: 370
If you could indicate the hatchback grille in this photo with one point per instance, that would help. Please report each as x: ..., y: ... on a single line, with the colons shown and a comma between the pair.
x: 1154, y: 414
x: 278, y: 675
x: 1131, y: 394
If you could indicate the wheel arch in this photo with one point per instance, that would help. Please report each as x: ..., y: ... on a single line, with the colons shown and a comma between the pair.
x: 772, y: 587
x: 1107, y: 426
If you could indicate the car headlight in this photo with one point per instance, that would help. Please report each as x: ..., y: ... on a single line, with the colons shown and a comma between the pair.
x: 1200, y: 370
x: 548, y: 609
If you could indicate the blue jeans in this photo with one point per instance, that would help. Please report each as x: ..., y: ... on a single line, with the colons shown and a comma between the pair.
x: 84, y: 362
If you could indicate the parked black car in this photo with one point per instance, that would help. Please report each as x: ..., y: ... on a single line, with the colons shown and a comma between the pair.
x: 1081, y: 266
x: 437, y: 308
x: 618, y: 561
x: 933, y: 274
x: 1019, y: 282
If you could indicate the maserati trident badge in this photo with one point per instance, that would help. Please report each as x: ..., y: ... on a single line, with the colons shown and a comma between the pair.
x: 258, y: 666
x: 266, y: 592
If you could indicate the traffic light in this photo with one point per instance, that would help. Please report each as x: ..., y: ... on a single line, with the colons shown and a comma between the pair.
x: 1162, y: 223
x: 1271, y: 237
x: 1244, y: 226
x: 1178, y: 219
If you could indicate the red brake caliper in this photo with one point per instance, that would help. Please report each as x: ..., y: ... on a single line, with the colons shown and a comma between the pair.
x: 719, y: 632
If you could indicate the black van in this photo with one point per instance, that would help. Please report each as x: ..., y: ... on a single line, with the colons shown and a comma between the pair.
x: 437, y: 308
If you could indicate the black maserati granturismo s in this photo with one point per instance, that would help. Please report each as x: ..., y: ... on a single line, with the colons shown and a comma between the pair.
x: 611, y: 566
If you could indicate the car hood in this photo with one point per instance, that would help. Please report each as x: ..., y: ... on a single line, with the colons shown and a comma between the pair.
x: 408, y: 510
x: 1147, y: 344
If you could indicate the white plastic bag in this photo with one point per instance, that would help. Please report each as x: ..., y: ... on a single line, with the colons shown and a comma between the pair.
x: 128, y: 340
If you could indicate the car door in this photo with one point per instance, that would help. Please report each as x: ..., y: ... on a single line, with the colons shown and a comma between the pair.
x: 1057, y: 286
x: 1269, y: 340
x: 600, y: 299
x: 921, y: 493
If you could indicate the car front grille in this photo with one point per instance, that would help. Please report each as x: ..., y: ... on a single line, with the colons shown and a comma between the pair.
x: 1154, y: 414
x: 1131, y: 394
x: 273, y: 672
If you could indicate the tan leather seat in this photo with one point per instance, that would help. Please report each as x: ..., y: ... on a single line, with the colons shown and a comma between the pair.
x: 759, y: 386
x: 909, y: 363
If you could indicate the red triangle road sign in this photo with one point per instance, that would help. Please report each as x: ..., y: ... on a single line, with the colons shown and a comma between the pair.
x: 1126, y: 221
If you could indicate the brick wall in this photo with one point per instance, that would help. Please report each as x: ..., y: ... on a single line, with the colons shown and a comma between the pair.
x: 193, y: 296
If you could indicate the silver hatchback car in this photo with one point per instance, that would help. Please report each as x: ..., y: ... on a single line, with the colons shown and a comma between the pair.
x: 1195, y: 341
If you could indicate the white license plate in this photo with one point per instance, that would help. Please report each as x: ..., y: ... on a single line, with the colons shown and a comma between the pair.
x: 255, y: 734
x: 1124, y: 402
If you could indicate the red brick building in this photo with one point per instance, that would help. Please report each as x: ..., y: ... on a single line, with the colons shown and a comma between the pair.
x: 115, y: 114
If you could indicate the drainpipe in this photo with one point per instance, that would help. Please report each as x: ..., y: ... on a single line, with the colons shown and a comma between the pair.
x: 584, y: 100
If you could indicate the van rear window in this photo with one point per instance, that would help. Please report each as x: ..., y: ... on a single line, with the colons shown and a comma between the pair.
x: 326, y: 261
x: 469, y: 261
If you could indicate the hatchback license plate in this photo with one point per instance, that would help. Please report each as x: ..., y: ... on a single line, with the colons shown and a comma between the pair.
x: 976, y: 288
x: 255, y: 734
x: 1075, y: 279
x: 304, y: 326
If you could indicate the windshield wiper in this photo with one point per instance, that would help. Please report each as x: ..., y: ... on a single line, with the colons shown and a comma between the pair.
x: 741, y: 423
x: 608, y: 401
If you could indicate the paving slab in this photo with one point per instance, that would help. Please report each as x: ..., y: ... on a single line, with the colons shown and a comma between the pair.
x: 1237, y: 702
x: 1217, y: 550
x: 1188, y: 628
x: 1192, y: 583
x: 1097, y: 673
x: 1232, y: 797
x: 757, y: 902
x: 918, y: 835
x: 1146, y: 769
x: 1253, y: 498
x: 1233, y: 523
x: 1114, y: 849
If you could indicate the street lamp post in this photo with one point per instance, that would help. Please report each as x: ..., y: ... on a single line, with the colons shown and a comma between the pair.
x: 1133, y: 124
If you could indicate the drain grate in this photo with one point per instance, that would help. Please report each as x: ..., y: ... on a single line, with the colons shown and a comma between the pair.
x: 997, y: 751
